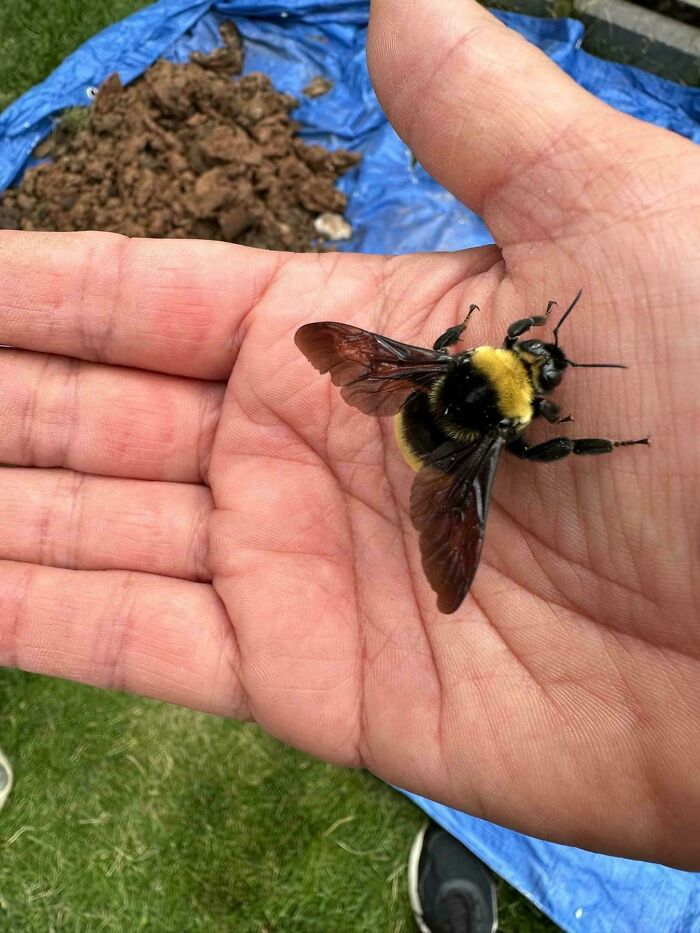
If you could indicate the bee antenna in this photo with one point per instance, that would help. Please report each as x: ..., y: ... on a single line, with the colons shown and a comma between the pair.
x: 565, y: 316
x: 597, y: 365
x: 571, y: 362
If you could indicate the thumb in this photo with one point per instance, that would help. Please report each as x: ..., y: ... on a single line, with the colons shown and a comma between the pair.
x: 485, y: 112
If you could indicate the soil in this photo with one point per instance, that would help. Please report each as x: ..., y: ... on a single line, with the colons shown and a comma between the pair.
x: 184, y: 151
x: 318, y: 86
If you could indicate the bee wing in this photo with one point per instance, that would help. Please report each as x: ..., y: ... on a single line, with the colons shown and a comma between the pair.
x: 376, y: 374
x: 449, y: 504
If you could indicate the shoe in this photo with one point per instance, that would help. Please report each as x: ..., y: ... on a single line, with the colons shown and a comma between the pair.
x: 450, y: 889
x: 5, y: 779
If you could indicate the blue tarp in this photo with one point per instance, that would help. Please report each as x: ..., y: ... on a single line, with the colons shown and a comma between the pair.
x: 581, y: 891
x: 394, y: 207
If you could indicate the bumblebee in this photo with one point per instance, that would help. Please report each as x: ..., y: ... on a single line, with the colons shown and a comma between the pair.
x: 454, y: 414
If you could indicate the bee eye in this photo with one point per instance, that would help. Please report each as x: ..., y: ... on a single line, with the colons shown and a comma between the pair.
x: 551, y: 375
x: 532, y: 346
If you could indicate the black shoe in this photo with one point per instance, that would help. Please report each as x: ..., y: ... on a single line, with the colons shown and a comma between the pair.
x: 451, y: 890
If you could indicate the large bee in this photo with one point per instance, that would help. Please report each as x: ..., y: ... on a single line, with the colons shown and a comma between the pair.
x: 454, y: 415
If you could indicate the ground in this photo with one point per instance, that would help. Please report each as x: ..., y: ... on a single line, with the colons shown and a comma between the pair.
x: 134, y: 815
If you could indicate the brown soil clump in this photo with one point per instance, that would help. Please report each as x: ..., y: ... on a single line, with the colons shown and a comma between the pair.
x: 318, y: 86
x: 184, y: 151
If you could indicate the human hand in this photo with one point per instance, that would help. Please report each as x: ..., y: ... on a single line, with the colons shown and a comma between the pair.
x: 253, y: 528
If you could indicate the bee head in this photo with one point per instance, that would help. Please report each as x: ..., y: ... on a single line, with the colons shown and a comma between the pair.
x: 548, y: 363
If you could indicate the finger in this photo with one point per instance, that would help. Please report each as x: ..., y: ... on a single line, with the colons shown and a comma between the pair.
x: 168, y: 639
x: 176, y: 307
x: 58, y: 412
x: 64, y: 519
x: 483, y: 110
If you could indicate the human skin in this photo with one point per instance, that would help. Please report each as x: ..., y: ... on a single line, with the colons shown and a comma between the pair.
x: 191, y: 512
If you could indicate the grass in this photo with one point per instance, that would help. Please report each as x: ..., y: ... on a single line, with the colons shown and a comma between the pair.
x: 36, y: 35
x: 131, y: 815
x: 134, y: 815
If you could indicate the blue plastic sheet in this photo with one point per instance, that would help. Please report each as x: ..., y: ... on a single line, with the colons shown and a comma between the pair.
x: 581, y: 891
x: 394, y: 207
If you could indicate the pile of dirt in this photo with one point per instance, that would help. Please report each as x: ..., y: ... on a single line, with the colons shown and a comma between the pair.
x: 184, y: 151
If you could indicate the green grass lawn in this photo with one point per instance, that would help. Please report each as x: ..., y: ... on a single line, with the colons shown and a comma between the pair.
x: 132, y: 815
x: 36, y: 35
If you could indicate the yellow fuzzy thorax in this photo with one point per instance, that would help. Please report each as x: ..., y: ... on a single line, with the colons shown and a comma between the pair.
x: 510, y: 380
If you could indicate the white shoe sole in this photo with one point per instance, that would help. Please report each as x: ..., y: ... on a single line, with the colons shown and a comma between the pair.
x: 4, y: 792
x: 413, y: 860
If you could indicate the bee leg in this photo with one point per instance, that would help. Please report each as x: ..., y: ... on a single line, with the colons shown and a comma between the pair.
x: 550, y: 411
x: 452, y: 334
x: 518, y: 328
x: 558, y: 447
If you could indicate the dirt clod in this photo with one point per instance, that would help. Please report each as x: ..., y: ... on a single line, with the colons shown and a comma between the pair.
x: 184, y: 151
x: 318, y: 86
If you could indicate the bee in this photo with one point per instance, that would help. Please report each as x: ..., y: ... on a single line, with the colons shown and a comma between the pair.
x: 454, y: 414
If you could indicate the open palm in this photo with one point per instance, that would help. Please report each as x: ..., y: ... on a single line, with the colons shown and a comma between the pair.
x: 254, y: 527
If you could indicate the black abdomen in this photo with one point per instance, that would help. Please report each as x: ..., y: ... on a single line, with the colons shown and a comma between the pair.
x: 419, y: 433
x: 466, y: 402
